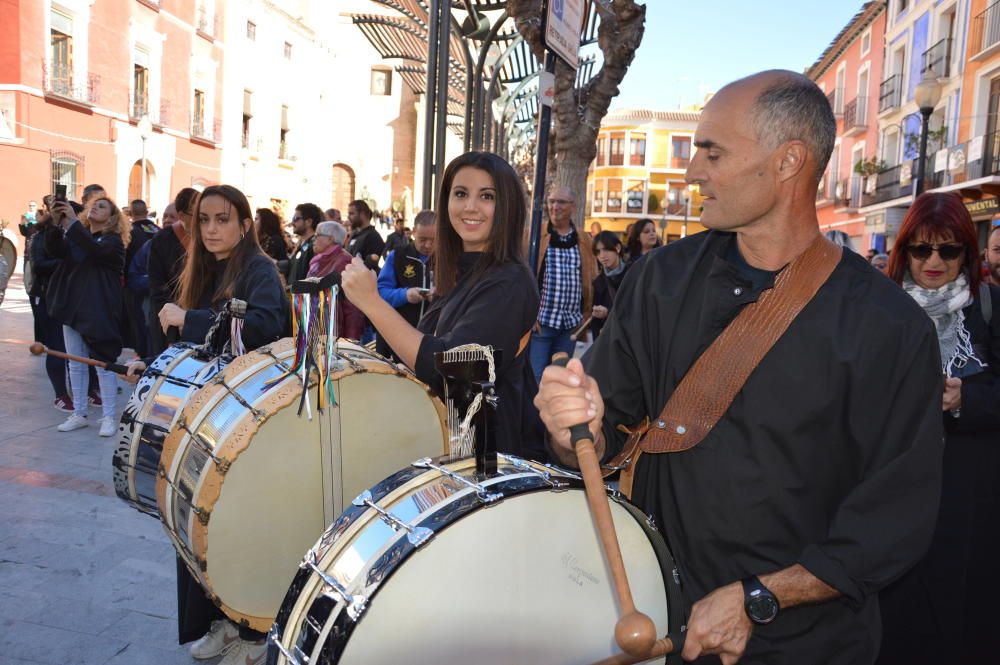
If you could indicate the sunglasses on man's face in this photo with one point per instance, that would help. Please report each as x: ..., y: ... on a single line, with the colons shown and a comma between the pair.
x: 922, y: 251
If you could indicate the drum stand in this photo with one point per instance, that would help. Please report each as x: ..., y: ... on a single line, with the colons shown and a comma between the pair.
x: 472, y: 401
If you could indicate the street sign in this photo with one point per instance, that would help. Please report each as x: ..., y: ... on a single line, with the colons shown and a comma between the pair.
x: 563, y: 24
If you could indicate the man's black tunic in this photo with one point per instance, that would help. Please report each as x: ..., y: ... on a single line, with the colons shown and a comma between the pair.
x: 830, y: 455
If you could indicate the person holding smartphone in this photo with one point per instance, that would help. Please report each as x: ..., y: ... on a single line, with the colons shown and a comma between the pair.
x: 405, y: 280
x: 85, y: 295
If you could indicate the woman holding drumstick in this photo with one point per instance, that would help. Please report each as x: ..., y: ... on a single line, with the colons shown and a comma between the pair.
x: 484, y: 293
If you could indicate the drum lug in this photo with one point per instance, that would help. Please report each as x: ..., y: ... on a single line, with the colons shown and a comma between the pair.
x: 202, y: 514
x: 274, y: 637
x: 202, y: 565
x: 419, y: 536
x: 416, y: 535
x: 616, y: 496
x: 651, y: 523
x: 222, y: 465
x: 677, y: 580
x: 356, y: 605
x: 484, y: 495
x: 555, y: 485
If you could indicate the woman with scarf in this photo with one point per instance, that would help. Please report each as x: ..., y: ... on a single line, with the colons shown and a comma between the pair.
x: 609, y: 252
x: 946, y: 607
x: 485, y: 293
x: 642, y: 239
x: 330, y: 256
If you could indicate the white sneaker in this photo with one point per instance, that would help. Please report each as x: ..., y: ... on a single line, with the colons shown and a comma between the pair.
x: 72, y: 423
x: 222, y: 637
x: 108, y: 426
x: 247, y: 653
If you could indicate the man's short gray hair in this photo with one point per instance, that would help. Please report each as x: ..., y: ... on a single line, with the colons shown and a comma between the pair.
x: 424, y: 218
x: 794, y: 108
x: 333, y: 230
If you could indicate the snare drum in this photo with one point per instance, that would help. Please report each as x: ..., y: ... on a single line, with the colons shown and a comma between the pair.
x: 150, y: 414
x: 247, y: 485
x: 436, y: 565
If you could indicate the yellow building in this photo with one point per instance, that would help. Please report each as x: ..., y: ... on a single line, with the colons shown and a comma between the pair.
x: 639, y: 172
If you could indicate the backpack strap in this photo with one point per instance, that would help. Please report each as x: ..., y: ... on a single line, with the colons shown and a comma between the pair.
x: 985, y: 302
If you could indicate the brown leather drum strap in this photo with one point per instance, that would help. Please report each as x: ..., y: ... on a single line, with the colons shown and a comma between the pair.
x: 709, y: 387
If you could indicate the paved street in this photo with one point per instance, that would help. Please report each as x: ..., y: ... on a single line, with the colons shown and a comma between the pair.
x: 84, y: 579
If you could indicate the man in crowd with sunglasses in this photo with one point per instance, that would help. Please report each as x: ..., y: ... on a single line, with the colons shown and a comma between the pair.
x: 818, y: 484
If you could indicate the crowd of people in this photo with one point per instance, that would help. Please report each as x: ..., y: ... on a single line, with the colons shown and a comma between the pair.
x: 823, y: 487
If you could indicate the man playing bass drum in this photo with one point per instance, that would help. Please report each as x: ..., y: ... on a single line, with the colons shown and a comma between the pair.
x: 818, y: 484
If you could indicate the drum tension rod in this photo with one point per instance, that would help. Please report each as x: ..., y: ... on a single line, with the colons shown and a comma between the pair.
x: 356, y: 605
x: 266, y: 350
x: 202, y: 514
x: 257, y: 414
x: 275, y: 638
x: 221, y: 464
x: 355, y: 365
x: 416, y: 535
x: 521, y: 465
x: 482, y: 493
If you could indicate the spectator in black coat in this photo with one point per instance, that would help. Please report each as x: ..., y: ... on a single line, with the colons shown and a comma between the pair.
x: 270, y: 235
x: 166, y: 262
x: 143, y: 230
x: 47, y: 233
x: 85, y: 295
x: 304, y: 222
x: 610, y: 254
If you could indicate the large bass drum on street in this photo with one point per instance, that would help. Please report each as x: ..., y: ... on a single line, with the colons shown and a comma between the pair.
x: 436, y: 565
x: 247, y: 484
x: 150, y: 414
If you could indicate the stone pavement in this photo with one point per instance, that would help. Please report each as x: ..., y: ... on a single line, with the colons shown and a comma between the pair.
x: 84, y: 579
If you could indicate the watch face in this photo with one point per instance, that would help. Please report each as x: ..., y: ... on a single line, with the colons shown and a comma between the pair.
x: 762, y: 608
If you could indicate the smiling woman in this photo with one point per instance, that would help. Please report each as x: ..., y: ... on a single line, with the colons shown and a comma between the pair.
x: 484, y: 293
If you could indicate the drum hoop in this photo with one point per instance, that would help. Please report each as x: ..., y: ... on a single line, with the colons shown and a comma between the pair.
x: 398, y: 549
x: 208, y: 489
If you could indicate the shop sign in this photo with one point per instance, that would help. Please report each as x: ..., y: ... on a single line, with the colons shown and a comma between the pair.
x: 983, y: 207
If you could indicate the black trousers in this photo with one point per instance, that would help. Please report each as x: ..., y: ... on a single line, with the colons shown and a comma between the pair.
x: 195, y: 612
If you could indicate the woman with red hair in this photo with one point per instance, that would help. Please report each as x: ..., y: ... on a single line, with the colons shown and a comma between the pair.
x: 948, y: 603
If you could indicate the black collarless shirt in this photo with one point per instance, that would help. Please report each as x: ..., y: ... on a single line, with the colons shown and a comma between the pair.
x: 830, y: 455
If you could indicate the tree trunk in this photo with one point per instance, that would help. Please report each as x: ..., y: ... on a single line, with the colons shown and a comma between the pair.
x: 577, y: 112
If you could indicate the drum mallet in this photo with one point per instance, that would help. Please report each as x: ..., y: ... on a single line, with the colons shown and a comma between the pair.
x: 635, y: 632
x: 38, y: 349
x: 579, y: 331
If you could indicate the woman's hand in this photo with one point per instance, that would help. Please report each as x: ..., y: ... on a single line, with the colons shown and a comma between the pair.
x: 415, y: 294
x: 360, y: 285
x: 135, y: 370
x: 63, y: 212
x: 172, y: 315
x: 952, y: 398
x: 600, y: 312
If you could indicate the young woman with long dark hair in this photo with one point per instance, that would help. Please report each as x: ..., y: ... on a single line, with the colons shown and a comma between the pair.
x: 642, y: 239
x: 269, y: 234
x: 948, y: 598
x: 611, y: 255
x: 484, y: 292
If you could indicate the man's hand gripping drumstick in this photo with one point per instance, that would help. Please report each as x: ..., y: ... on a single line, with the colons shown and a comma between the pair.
x: 572, y: 409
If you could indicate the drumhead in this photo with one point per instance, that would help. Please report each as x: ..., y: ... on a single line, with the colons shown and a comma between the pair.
x: 282, y: 477
x: 519, y: 580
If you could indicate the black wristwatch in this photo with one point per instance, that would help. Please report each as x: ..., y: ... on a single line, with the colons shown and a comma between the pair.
x: 760, y: 604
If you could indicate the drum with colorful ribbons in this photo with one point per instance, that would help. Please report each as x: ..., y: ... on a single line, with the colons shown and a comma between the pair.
x: 150, y: 414
x: 249, y: 480
x: 438, y: 565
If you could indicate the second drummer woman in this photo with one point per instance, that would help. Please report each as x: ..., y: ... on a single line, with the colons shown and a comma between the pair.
x: 484, y: 293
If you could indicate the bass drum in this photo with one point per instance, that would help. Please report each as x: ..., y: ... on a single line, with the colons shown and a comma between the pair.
x: 150, y: 414
x: 247, y: 484
x: 436, y: 565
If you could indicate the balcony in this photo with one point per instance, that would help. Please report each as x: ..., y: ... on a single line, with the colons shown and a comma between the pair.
x: 856, y: 116
x: 972, y: 160
x: 285, y: 151
x: 890, y: 93
x: 206, y: 23
x: 938, y: 59
x: 824, y: 191
x: 202, y: 132
x: 58, y: 81
x: 847, y: 194
x: 139, y: 108
x: 986, y: 32
x: 836, y: 98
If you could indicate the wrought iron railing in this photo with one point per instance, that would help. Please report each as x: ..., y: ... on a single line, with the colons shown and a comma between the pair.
x: 836, y: 97
x: 856, y: 113
x: 889, y: 92
x: 986, y: 28
x: 58, y: 79
x: 938, y: 58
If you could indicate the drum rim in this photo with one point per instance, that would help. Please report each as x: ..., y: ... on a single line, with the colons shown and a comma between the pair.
x: 237, y: 440
x: 339, y: 624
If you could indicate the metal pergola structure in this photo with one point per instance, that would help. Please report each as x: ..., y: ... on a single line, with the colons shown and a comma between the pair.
x: 478, y: 75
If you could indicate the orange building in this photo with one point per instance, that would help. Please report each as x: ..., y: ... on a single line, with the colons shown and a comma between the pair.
x: 642, y: 157
x: 849, y: 71
x: 76, y: 78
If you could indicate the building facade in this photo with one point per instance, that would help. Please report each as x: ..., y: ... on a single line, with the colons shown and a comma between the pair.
x: 642, y: 157
x: 849, y: 71
x: 76, y: 79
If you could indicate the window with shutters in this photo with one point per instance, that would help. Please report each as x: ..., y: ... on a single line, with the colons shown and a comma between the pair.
x: 198, y: 115
x: 60, y: 79
x: 140, y: 84
x: 247, y: 117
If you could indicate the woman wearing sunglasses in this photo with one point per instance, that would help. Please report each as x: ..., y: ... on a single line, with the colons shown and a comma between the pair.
x: 949, y: 599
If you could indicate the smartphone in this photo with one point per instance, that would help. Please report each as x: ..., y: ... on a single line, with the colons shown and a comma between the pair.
x: 60, y: 193
x: 423, y: 292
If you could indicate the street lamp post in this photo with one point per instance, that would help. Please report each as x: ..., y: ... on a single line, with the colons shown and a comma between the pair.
x: 145, y: 131
x: 688, y: 195
x: 926, y: 95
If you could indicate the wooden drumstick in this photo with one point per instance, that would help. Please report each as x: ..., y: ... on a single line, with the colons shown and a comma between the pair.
x: 635, y: 632
x: 662, y: 647
x: 579, y: 331
x: 38, y: 349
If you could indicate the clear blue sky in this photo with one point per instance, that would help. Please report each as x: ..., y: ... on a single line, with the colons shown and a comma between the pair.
x: 692, y: 47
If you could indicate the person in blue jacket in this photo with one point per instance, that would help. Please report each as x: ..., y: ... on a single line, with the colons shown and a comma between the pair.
x: 405, y: 280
